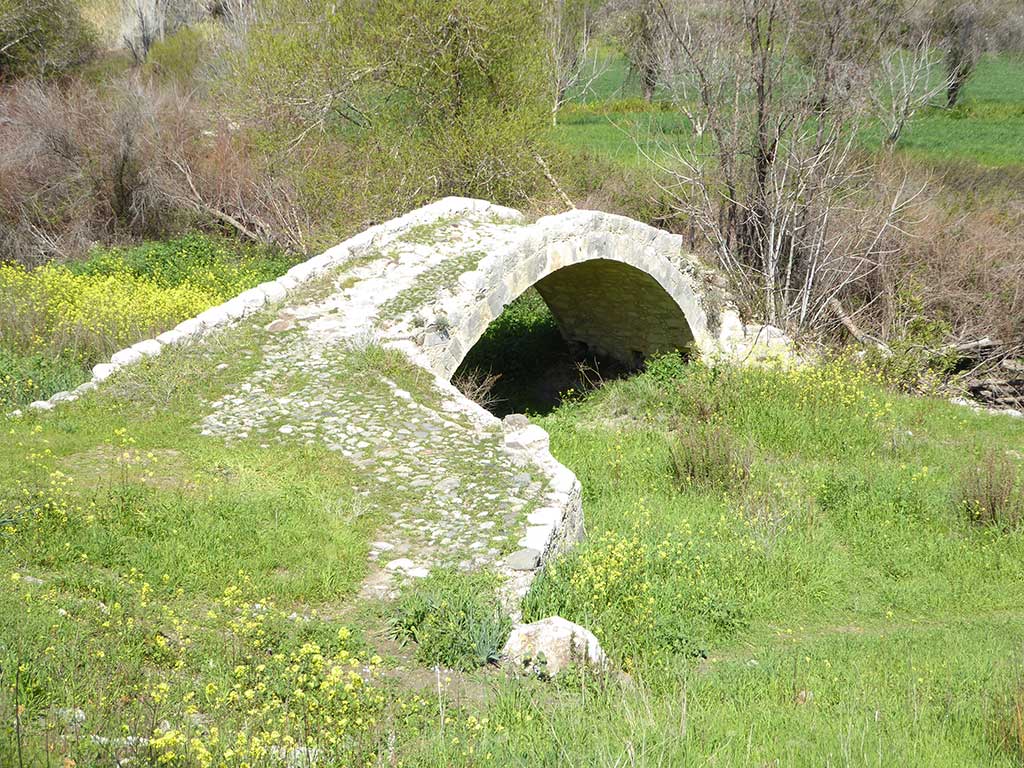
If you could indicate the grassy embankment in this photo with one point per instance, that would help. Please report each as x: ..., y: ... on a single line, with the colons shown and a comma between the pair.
x: 58, y: 320
x: 780, y: 561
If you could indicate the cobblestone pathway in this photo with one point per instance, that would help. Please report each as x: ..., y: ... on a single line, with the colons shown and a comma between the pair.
x: 467, y: 495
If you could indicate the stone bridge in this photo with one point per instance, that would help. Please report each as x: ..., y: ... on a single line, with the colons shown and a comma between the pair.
x: 481, y: 493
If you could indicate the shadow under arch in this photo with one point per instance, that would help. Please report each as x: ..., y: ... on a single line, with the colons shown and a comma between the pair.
x: 578, y: 326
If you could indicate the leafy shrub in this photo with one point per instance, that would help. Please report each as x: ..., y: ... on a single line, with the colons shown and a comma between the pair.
x: 455, y: 620
x: 178, y: 57
x: 918, y: 358
x: 42, y: 37
x: 432, y: 98
x: 666, y: 369
x: 991, y: 493
x: 709, y: 457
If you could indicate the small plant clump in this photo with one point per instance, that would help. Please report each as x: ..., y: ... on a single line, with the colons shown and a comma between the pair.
x: 478, y: 386
x: 455, y: 619
x: 1008, y: 721
x: 709, y: 457
x: 991, y: 493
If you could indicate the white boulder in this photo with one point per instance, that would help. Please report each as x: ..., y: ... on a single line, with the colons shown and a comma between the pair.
x: 550, y: 645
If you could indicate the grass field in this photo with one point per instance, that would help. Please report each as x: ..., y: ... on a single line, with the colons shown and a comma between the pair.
x: 778, y: 562
x: 832, y: 607
x: 987, y: 127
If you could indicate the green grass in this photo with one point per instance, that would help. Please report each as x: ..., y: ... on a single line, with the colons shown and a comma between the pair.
x: 899, y: 696
x: 849, y: 512
x: 170, y: 502
x: 838, y: 609
x: 805, y: 589
x: 986, y: 128
x: 614, y: 134
x: 454, y: 619
x: 58, y: 321
x: 151, y: 545
x: 835, y: 608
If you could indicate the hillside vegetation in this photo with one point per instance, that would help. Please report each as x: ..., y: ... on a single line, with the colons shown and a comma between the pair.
x: 148, y: 125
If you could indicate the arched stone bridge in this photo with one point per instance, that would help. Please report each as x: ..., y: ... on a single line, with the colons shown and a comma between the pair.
x: 483, y: 493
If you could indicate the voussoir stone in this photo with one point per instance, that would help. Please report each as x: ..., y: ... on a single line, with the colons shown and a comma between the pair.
x: 273, y: 290
x: 103, y: 371
x: 514, y: 422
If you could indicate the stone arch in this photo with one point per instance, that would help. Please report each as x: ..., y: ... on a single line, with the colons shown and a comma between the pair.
x: 617, y: 286
x: 615, y: 310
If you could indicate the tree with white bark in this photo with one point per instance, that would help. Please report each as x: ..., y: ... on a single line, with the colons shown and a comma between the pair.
x: 571, y: 63
x: 910, y: 77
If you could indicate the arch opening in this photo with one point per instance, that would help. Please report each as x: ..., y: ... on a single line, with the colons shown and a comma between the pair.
x: 574, y: 329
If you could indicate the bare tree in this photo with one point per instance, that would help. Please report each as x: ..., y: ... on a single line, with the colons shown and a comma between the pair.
x: 962, y: 30
x: 145, y: 22
x: 571, y: 66
x: 774, y: 186
x: 909, y: 79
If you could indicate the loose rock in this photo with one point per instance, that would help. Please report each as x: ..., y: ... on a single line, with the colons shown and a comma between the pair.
x: 548, y: 646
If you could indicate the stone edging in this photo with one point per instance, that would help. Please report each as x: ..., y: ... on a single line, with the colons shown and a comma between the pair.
x: 254, y: 299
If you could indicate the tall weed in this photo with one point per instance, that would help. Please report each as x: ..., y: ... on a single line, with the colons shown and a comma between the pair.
x: 991, y: 493
x: 454, y: 619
